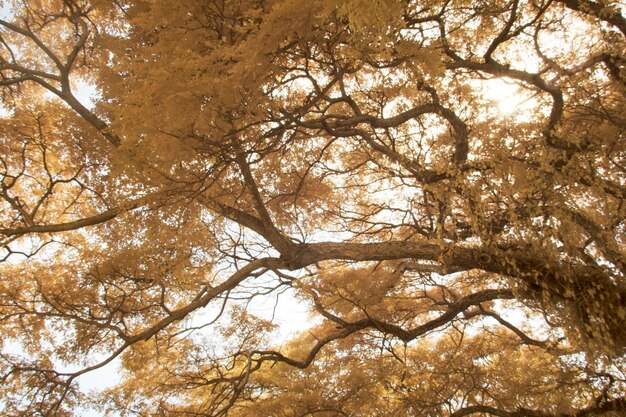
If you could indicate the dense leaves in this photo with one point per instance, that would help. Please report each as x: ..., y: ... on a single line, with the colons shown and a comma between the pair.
x: 440, y: 184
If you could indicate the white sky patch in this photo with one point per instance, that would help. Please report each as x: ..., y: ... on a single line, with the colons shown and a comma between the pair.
x: 290, y: 313
x: 5, y: 11
x: 5, y: 112
x: 86, y: 92
x: 507, y: 96
x: 101, y: 378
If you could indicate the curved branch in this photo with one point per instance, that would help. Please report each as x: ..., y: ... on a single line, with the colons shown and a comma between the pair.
x: 453, y: 310
x: 527, y: 340
x: 495, y: 68
x: 87, y: 221
x: 63, y: 91
x: 599, y: 11
x: 504, y: 34
x: 618, y: 404
x: 347, y: 126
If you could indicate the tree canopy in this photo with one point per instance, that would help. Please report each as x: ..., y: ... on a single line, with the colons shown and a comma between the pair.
x: 441, y: 183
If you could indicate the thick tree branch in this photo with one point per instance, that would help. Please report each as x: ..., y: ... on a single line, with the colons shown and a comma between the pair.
x: 349, y: 328
x: 91, y: 220
x: 615, y: 405
x: 607, y: 14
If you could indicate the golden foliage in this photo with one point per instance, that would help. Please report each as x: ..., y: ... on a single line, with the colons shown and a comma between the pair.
x: 288, y: 208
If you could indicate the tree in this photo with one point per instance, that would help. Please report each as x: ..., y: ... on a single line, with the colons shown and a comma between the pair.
x: 462, y: 251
